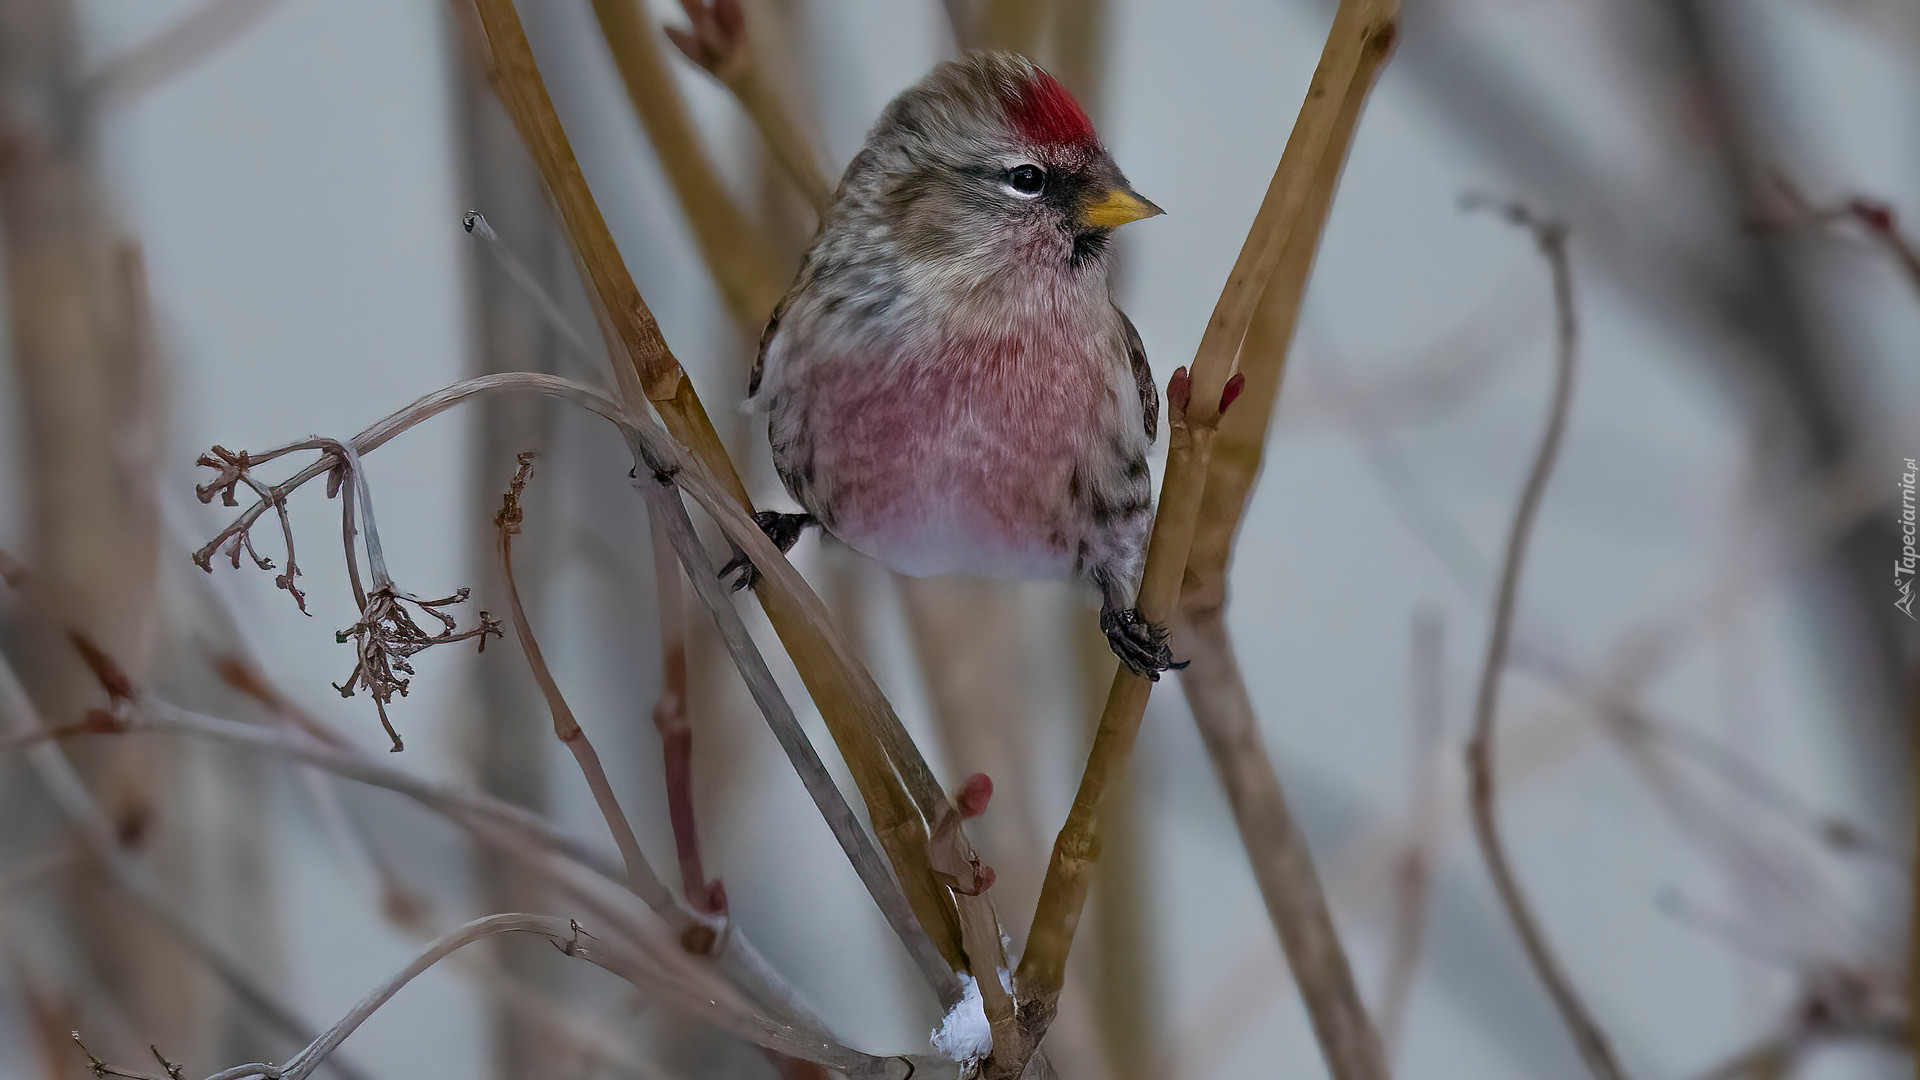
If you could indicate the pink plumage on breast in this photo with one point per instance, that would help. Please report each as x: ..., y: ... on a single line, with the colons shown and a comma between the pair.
x: 959, y: 464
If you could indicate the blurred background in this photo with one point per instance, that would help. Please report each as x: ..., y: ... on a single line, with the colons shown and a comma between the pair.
x: 1707, y: 717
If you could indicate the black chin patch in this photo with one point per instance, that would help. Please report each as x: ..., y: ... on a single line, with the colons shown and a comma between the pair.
x: 1088, y: 244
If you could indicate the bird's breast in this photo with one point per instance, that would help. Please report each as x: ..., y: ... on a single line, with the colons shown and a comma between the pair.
x: 958, y: 463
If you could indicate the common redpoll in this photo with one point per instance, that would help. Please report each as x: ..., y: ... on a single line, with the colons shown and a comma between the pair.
x: 950, y: 387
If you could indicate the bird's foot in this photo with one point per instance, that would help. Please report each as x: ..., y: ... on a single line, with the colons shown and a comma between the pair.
x: 783, y: 529
x: 1141, y: 645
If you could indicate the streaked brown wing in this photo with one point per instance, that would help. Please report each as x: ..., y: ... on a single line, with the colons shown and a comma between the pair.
x: 1142, y: 377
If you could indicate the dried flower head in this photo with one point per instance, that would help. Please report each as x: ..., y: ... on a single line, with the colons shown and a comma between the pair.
x: 387, y: 636
x: 231, y: 469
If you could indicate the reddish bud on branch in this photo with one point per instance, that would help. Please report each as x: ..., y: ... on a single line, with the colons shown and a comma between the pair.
x: 1231, y: 391
x: 1179, y: 390
x: 973, y: 795
x: 1875, y: 215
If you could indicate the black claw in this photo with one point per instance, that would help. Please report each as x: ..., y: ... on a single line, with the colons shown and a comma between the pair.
x: 739, y: 572
x: 783, y: 529
x: 1139, y: 644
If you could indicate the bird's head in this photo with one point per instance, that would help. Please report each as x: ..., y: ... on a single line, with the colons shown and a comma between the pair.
x: 990, y: 160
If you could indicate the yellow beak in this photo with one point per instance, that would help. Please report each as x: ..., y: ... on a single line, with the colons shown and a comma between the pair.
x: 1117, y: 207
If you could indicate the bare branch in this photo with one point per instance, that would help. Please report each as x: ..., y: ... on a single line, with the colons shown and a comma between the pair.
x: 1587, y: 1035
x: 1282, y: 864
x: 1873, y: 215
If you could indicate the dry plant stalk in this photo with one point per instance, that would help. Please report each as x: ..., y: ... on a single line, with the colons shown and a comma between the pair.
x: 1014, y: 25
x: 720, y: 44
x: 741, y: 262
x: 1281, y: 861
x: 1340, y: 84
x: 1288, y: 224
x: 901, y: 794
x: 1357, y: 46
x: 1587, y: 1035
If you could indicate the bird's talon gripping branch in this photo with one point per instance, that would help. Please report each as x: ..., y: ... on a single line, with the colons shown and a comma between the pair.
x: 1141, y: 645
x: 783, y: 529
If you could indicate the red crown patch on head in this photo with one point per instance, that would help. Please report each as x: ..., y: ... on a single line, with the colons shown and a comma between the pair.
x: 1045, y: 114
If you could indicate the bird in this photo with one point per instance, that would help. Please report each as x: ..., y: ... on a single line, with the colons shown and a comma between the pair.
x: 949, y: 385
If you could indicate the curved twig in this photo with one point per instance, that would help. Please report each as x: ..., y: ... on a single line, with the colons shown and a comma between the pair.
x: 1587, y: 1035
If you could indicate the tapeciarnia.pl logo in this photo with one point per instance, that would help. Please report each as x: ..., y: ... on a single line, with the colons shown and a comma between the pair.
x: 1904, y: 566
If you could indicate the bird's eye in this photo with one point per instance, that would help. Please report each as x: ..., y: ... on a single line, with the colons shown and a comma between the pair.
x: 1026, y: 180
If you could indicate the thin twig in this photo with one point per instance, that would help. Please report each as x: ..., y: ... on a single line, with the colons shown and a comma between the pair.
x: 564, y: 934
x: 1587, y: 1035
x: 641, y: 877
x: 476, y: 225
x: 387, y: 633
x: 685, y: 986
x: 517, y: 325
x: 1876, y: 217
